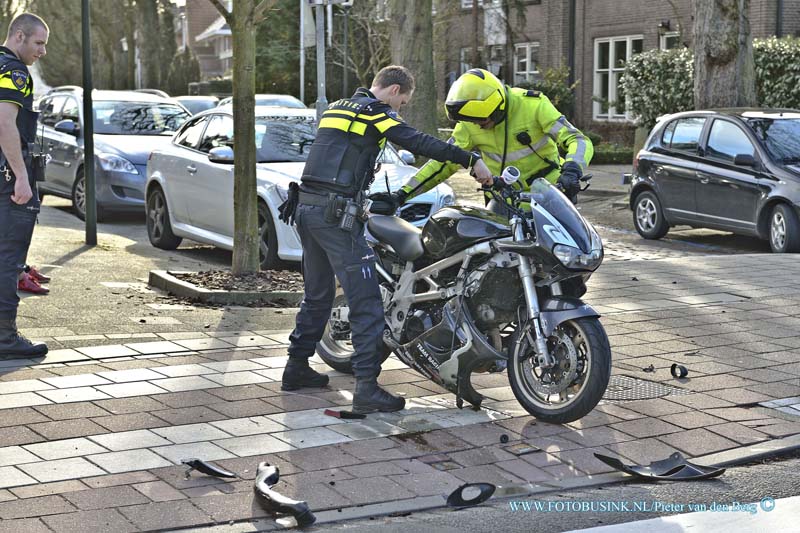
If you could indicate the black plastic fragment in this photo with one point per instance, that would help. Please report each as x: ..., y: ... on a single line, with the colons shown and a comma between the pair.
x: 674, y: 468
x: 503, y: 438
x: 206, y: 468
x: 276, y: 503
x: 483, y: 491
x: 650, y: 368
x: 678, y: 371
x: 348, y: 415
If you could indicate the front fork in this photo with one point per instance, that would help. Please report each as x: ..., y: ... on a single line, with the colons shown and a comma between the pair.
x: 526, y: 272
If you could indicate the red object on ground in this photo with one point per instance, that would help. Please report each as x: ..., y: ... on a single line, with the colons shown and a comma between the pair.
x: 37, y: 276
x: 27, y: 284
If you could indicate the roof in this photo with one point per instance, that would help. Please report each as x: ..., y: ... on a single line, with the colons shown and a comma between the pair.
x: 740, y: 112
x: 267, y: 111
x: 217, y: 28
x: 107, y: 95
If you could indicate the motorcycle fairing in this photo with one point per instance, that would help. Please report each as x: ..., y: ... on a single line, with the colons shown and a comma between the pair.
x: 430, y: 353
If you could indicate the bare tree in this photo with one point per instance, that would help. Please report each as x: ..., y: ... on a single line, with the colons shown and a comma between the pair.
x: 370, y: 46
x: 413, y: 17
x: 724, y: 71
x: 243, y: 21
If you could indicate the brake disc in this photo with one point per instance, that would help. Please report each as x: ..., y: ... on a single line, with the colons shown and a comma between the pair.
x: 566, y: 357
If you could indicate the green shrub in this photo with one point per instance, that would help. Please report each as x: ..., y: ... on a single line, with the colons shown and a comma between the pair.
x: 596, y: 138
x: 612, y: 154
x: 660, y: 82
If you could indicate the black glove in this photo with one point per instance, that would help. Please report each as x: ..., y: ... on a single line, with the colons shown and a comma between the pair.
x: 386, y: 203
x: 287, y: 209
x: 570, y: 178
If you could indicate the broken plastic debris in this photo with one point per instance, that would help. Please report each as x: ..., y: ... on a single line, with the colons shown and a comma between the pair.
x: 349, y: 415
x: 206, y: 468
x: 675, y: 468
x: 522, y: 448
x: 678, y: 371
x: 470, y: 494
x: 650, y: 368
x: 503, y: 438
x: 276, y: 503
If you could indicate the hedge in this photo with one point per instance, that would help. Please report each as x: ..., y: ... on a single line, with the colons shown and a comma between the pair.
x: 660, y: 82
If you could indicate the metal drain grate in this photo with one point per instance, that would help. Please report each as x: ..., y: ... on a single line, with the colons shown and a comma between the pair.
x: 626, y: 389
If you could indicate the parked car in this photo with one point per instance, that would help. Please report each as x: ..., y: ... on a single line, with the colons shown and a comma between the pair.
x: 190, y: 181
x: 128, y: 125
x: 157, y: 92
x: 195, y: 104
x: 280, y: 100
x: 735, y: 170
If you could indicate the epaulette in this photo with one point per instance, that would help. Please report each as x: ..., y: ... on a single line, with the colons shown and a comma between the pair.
x: 535, y: 94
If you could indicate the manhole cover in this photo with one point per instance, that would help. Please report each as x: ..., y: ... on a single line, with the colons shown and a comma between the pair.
x: 626, y: 389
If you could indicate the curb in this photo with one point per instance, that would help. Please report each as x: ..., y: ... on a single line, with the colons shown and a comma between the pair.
x: 163, y: 279
x: 733, y: 457
x: 591, y: 191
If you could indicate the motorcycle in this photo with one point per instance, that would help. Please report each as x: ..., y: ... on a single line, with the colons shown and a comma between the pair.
x: 478, y: 292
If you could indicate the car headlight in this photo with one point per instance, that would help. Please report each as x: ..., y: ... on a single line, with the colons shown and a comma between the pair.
x: 572, y: 257
x: 115, y: 163
x: 283, y: 193
x: 446, y: 200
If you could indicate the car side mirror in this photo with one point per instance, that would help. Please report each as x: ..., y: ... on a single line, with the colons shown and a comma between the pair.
x: 744, y: 160
x: 67, y: 126
x: 221, y: 154
x: 407, y: 157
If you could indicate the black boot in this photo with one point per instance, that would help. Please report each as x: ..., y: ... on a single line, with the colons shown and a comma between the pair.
x: 13, y: 345
x: 298, y: 375
x: 370, y: 397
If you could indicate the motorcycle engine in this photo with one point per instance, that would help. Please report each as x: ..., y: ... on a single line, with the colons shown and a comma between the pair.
x: 497, y: 299
x: 418, y: 322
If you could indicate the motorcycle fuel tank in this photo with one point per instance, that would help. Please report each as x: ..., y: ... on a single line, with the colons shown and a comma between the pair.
x: 455, y: 228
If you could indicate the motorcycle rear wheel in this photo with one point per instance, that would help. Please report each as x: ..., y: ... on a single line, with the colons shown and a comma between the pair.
x: 593, y: 353
x: 336, y: 352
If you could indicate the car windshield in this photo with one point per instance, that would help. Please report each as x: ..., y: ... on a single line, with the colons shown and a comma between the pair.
x: 283, y: 101
x: 137, y: 118
x: 284, y: 139
x: 781, y: 136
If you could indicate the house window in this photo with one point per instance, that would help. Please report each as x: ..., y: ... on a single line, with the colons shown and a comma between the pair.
x: 526, y: 61
x: 610, y: 56
x: 670, y: 41
x: 465, y: 59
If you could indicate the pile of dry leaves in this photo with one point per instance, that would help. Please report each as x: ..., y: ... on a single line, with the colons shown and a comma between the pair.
x: 270, y: 280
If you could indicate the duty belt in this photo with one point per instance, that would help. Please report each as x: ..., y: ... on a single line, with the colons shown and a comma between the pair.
x: 320, y: 200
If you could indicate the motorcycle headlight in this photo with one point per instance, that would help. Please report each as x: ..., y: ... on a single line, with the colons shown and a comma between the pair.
x: 446, y: 200
x: 572, y: 257
x: 115, y: 163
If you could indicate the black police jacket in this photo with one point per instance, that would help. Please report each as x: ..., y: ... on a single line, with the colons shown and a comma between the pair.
x: 16, y: 87
x: 351, y: 134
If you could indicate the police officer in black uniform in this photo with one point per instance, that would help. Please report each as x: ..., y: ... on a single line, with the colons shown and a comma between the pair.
x: 328, y: 210
x: 19, y: 202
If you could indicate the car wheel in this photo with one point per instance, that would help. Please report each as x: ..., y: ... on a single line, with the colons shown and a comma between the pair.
x: 267, y: 239
x: 79, y: 198
x: 784, y: 230
x: 648, y: 217
x: 159, y: 229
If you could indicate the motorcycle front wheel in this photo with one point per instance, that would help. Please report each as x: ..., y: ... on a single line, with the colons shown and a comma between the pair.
x: 577, y: 381
x: 336, y: 348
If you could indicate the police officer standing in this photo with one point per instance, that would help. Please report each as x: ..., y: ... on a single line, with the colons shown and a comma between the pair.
x: 329, y: 212
x: 509, y: 126
x: 19, y: 202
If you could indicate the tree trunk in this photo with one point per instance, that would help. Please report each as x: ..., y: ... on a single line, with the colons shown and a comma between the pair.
x: 245, y: 207
x: 413, y: 17
x: 724, y: 71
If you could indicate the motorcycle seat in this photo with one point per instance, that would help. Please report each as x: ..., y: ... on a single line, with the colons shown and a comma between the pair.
x: 402, y: 236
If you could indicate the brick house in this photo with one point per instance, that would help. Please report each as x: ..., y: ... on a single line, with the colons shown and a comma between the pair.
x: 200, y: 27
x: 518, y: 41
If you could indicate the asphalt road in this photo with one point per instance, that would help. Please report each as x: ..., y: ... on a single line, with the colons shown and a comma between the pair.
x: 744, y: 484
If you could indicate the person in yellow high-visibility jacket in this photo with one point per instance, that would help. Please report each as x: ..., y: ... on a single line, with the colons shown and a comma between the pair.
x: 508, y: 126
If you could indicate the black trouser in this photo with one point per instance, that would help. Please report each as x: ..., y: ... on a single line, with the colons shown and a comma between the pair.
x: 16, y: 231
x: 327, y: 252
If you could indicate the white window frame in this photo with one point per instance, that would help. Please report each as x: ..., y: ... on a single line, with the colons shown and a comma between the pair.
x: 528, y: 74
x: 662, y: 40
x: 611, y: 115
x: 464, y: 58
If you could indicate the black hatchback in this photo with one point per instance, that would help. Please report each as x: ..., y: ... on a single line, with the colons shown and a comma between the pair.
x: 734, y: 170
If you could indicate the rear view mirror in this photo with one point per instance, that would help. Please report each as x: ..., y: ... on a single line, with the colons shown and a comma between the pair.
x: 67, y: 126
x: 744, y: 160
x: 407, y: 157
x: 221, y: 154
